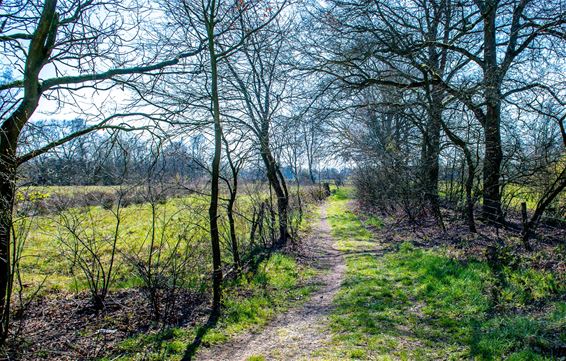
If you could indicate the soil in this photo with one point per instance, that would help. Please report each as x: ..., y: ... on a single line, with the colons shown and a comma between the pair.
x: 65, y: 327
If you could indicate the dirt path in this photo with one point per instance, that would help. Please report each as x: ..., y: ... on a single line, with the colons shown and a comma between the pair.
x: 300, y: 332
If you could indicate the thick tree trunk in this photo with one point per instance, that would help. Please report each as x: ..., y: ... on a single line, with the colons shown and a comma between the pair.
x: 38, y: 51
x: 9, y: 135
x: 493, y: 152
x: 431, y: 155
x: 7, y: 189
x: 434, y: 124
x: 492, y: 168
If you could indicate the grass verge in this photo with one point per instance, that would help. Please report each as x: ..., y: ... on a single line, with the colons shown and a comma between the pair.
x: 415, y: 304
x: 250, y: 302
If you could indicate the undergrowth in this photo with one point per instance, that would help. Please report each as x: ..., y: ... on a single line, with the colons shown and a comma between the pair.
x: 250, y: 302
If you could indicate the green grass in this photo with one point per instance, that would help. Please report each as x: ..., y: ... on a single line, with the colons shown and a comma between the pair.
x: 373, y: 221
x: 342, y: 193
x: 248, y: 305
x: 48, y: 262
x: 346, y: 227
x: 45, y: 255
x: 256, y: 358
x: 414, y: 304
x: 513, y: 194
x: 249, y: 301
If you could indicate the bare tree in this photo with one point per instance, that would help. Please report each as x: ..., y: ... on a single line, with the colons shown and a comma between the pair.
x: 237, y: 155
x: 258, y: 76
x: 224, y: 27
x: 525, y: 26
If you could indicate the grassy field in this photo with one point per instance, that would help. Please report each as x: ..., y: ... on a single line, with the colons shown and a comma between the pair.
x: 512, y: 196
x: 420, y: 304
x: 179, y: 225
x: 397, y: 302
x: 48, y: 253
x: 170, y: 229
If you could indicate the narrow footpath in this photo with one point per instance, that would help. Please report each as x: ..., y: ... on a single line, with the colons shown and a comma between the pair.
x: 300, y: 332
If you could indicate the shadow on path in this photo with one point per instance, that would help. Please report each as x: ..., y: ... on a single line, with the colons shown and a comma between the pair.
x: 202, y: 331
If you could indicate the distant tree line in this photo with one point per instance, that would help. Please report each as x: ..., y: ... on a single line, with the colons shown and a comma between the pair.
x: 96, y: 158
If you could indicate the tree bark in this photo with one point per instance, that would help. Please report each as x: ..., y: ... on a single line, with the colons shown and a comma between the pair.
x: 232, y: 224
x: 493, y: 152
x: 469, y: 196
x: 431, y: 154
x: 469, y: 183
x: 7, y: 190
x: 214, y: 193
x: 278, y: 183
x: 39, y: 50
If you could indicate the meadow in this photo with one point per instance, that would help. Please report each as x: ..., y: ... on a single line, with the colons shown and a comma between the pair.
x: 54, y: 241
x: 403, y: 296
x: 64, y: 226
x: 513, y: 195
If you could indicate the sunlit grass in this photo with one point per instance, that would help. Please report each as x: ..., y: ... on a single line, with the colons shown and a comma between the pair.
x: 346, y: 227
x: 48, y: 263
x: 249, y: 304
x: 250, y: 301
x: 414, y: 304
x: 512, y: 195
x: 45, y: 257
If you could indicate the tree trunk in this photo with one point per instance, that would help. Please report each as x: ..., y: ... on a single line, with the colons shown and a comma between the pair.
x: 525, y: 222
x: 9, y: 133
x: 7, y: 190
x: 278, y: 183
x: 39, y: 50
x: 213, y: 209
x: 433, y: 126
x: 493, y: 152
x: 431, y: 154
x: 491, y: 171
x: 233, y: 236
x: 312, y: 177
x: 469, y: 184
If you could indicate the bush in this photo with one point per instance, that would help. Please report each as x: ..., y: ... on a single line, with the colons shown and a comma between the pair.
x: 389, y: 189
